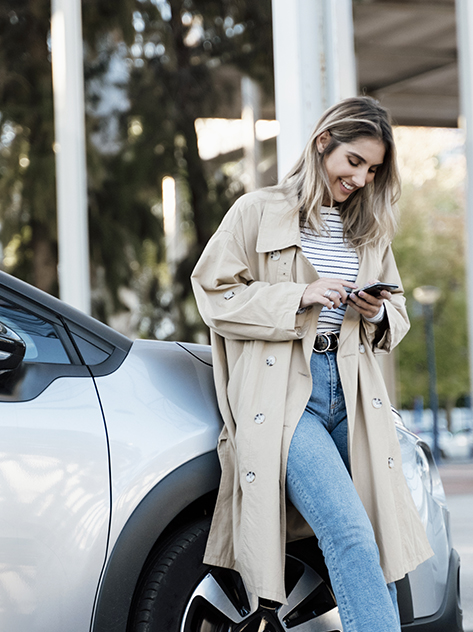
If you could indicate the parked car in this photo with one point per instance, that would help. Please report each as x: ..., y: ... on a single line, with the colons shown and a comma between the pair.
x: 108, y: 478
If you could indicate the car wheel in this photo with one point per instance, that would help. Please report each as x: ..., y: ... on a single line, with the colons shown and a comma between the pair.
x: 178, y: 593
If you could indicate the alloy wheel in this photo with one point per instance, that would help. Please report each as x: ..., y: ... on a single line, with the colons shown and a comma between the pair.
x: 221, y: 603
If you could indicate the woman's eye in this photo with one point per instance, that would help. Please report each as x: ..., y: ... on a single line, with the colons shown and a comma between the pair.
x: 353, y: 163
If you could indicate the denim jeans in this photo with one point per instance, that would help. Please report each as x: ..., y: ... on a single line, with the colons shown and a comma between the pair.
x: 320, y: 487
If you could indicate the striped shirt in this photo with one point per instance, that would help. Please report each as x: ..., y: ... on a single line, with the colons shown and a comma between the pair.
x: 331, y: 257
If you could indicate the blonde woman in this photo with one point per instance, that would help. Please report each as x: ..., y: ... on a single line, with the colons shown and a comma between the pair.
x: 309, y: 443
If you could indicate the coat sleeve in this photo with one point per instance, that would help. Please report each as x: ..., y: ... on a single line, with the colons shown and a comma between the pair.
x: 389, y: 333
x: 237, y: 305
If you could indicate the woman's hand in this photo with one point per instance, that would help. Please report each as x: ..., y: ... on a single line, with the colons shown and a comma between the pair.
x: 328, y: 292
x: 368, y: 305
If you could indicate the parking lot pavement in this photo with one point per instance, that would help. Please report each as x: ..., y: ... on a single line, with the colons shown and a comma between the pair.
x: 457, y: 478
x: 458, y: 483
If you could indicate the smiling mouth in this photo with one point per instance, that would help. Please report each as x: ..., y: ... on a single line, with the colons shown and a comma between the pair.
x: 348, y: 187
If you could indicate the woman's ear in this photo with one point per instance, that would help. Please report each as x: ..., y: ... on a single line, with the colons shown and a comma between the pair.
x: 323, y: 140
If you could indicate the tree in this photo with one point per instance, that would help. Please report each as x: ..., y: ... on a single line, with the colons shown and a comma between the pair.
x: 27, y: 171
x: 173, y: 80
x: 430, y: 250
x: 151, y: 68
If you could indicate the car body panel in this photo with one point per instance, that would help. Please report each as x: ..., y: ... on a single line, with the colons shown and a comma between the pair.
x: 54, y: 508
x: 434, y: 515
x: 161, y: 412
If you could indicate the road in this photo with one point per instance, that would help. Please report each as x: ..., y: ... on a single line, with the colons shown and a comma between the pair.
x: 458, y: 483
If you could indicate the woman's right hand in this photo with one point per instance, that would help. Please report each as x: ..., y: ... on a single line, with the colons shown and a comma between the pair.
x: 328, y: 292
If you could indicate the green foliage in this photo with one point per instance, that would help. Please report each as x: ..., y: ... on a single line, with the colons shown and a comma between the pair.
x: 27, y: 169
x: 151, y: 68
x: 430, y: 250
x: 169, y: 80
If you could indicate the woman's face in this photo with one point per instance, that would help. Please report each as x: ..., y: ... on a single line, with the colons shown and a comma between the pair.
x: 350, y: 165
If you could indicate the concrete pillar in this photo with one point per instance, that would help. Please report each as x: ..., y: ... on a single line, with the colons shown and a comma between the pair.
x: 314, y: 67
x: 340, y: 50
x: 464, y: 13
x: 71, y: 178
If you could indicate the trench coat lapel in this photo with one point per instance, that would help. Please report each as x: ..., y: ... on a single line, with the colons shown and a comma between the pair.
x: 280, y: 229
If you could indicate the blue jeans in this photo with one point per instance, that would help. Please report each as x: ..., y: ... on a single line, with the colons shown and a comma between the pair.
x: 320, y: 487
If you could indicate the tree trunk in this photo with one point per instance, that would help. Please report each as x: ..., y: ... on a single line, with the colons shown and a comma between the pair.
x: 44, y: 259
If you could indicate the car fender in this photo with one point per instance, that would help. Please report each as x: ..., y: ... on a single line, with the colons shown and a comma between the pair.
x: 160, y: 411
x: 155, y: 512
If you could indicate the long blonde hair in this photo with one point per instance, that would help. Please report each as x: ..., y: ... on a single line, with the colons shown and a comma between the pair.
x: 369, y: 215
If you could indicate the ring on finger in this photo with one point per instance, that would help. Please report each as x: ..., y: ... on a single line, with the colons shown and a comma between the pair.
x: 327, y: 293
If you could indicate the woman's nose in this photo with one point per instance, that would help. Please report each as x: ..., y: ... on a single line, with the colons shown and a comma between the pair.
x: 360, y: 178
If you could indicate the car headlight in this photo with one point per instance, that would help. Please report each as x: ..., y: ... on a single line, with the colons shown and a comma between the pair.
x: 429, y: 473
x: 423, y: 467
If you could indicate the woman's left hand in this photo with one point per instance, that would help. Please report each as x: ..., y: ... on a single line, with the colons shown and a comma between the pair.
x: 367, y: 305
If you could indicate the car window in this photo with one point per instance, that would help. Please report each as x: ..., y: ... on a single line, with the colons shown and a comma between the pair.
x: 40, y: 336
x: 91, y: 353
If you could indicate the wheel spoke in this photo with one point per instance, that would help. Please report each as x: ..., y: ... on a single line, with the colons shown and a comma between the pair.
x: 307, y: 583
x: 327, y: 622
x: 210, y: 590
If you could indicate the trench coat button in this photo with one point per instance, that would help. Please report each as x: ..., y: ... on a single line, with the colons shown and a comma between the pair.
x: 229, y: 294
x: 390, y: 462
x: 250, y: 477
x: 275, y: 255
x: 377, y: 403
x: 270, y: 360
x: 259, y: 418
x: 362, y: 348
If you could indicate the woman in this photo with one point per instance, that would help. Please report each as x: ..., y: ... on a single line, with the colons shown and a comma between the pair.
x: 306, y: 411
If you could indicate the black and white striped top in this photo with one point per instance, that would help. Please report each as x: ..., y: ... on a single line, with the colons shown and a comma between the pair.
x: 332, y: 257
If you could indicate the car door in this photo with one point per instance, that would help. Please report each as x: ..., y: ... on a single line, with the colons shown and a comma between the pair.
x: 54, y: 479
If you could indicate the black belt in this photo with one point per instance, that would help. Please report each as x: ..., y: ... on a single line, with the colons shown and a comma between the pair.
x: 328, y: 341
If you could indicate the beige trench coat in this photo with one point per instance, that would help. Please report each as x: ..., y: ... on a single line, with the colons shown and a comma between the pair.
x: 248, y: 285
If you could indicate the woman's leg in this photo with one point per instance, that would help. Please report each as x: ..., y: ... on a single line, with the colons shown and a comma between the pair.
x: 321, y: 488
x: 393, y: 594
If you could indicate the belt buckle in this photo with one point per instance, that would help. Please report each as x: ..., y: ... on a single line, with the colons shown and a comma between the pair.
x: 333, y: 342
x: 328, y: 345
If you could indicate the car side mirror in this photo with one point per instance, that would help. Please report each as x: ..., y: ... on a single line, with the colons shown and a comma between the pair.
x: 12, y: 349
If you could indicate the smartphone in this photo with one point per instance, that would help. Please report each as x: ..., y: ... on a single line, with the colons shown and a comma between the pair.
x: 375, y: 289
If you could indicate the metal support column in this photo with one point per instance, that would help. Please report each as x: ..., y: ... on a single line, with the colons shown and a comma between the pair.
x: 71, y: 179
x: 464, y: 13
x: 314, y: 67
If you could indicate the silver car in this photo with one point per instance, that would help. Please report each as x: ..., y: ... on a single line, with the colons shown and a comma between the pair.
x: 108, y: 478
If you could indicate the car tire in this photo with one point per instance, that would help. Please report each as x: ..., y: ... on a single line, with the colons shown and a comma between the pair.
x: 179, y: 593
x: 169, y: 578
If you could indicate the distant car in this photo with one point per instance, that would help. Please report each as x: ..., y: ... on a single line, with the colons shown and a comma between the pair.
x: 108, y: 479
